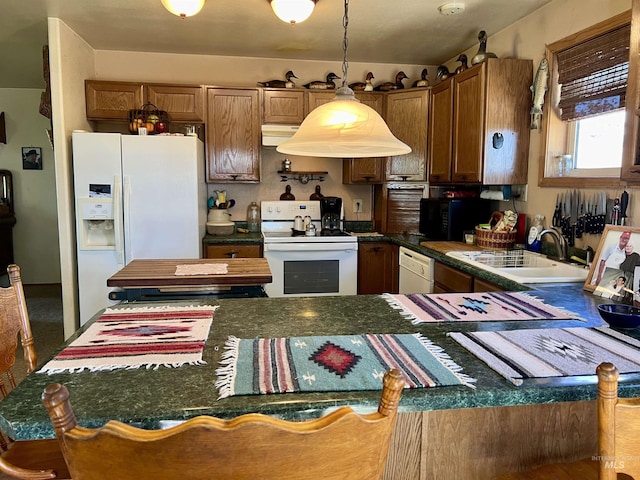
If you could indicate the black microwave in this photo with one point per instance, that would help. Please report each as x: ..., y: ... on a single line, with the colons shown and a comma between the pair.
x: 448, y: 218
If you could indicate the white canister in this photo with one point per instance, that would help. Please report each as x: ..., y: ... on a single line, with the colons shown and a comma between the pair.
x: 298, y: 223
x: 306, y: 221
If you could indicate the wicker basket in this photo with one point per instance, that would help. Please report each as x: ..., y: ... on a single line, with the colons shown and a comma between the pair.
x: 495, y: 240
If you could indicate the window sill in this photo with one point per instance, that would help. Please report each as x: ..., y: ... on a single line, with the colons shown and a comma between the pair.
x: 583, y: 182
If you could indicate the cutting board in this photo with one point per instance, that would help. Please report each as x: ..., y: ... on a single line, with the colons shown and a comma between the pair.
x: 161, y: 273
x: 445, y: 247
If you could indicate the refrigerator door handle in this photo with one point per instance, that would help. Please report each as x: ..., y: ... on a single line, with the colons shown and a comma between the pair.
x: 117, y: 221
x: 126, y: 207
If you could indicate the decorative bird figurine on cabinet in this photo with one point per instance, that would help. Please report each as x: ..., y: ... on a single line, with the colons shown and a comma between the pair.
x: 424, y: 81
x: 482, y: 49
x: 442, y: 73
x: 463, y: 64
x: 366, y: 86
x: 320, y: 85
x: 397, y: 85
x: 288, y: 83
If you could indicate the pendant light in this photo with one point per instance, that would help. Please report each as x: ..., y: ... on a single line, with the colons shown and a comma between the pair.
x: 344, y: 127
x: 293, y: 11
x: 183, y: 8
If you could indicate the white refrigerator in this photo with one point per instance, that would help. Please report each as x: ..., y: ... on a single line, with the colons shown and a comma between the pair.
x: 135, y: 197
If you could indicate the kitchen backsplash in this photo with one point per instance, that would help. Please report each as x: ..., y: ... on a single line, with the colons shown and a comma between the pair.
x: 271, y: 186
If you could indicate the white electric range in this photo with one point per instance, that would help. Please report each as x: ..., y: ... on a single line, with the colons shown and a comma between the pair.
x: 306, y: 265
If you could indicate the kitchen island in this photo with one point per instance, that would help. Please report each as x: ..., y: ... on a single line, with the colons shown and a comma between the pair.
x: 442, y: 432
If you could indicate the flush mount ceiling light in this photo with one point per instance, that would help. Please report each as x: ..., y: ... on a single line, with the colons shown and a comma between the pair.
x: 344, y: 127
x: 183, y: 8
x: 293, y: 11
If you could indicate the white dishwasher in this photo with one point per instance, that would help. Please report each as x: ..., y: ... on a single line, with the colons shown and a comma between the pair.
x: 416, y: 272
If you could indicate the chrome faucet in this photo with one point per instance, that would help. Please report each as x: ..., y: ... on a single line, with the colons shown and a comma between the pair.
x: 560, y: 242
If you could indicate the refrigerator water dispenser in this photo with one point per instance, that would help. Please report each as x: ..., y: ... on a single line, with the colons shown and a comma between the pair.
x: 96, y: 229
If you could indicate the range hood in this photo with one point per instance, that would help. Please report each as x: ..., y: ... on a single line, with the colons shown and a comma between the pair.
x: 273, y: 135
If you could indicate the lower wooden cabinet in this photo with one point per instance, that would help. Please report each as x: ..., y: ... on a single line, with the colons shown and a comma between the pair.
x: 451, y: 280
x: 232, y: 250
x: 377, y: 268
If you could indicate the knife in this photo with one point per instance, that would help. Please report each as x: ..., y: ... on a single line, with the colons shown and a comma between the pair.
x: 624, y: 202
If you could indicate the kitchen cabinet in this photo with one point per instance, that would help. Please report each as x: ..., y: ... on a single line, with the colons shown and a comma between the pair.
x: 183, y: 103
x: 233, y: 135
x: 377, y: 268
x: 447, y: 279
x: 406, y: 116
x: 396, y: 207
x: 283, y: 106
x: 232, y: 250
x: 630, y: 169
x: 488, y: 124
x: 106, y: 100
x: 112, y: 100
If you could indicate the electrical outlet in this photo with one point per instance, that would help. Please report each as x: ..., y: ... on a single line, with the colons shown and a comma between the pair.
x: 357, y: 206
x: 519, y: 192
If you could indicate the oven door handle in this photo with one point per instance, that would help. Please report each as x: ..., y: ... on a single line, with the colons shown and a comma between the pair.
x: 312, y: 247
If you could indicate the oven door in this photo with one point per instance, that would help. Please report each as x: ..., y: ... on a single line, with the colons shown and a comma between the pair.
x: 312, y: 269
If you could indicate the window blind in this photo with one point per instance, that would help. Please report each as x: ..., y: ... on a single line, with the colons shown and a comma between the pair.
x: 593, y: 75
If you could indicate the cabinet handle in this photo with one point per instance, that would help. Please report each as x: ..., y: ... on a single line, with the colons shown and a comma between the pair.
x: 234, y: 177
x: 404, y: 177
x: 232, y: 254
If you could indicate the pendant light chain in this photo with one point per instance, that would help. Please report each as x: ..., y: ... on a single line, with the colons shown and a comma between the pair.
x: 345, y: 43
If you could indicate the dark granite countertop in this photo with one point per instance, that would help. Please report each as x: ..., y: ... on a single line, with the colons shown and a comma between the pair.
x: 147, y: 397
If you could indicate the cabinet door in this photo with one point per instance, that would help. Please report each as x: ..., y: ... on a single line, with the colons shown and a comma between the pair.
x: 229, y: 250
x: 233, y: 135
x: 374, y: 100
x: 480, y: 285
x: 397, y: 207
x: 283, y: 106
x: 362, y: 170
x: 449, y: 279
x: 377, y: 268
x: 183, y: 103
x: 440, y: 132
x: 315, y: 99
x: 111, y: 100
x: 468, y: 124
x: 406, y: 116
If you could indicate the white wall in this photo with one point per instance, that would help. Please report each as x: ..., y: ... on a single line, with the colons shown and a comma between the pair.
x: 35, y: 235
x: 528, y: 38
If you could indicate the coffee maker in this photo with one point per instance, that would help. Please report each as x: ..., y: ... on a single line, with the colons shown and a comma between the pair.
x: 330, y: 210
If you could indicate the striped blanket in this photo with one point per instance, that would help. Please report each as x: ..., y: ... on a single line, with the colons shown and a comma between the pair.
x: 136, y: 337
x: 549, y: 353
x: 333, y: 363
x: 474, y: 307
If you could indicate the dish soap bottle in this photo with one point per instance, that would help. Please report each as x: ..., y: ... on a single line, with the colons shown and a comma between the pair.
x: 253, y: 217
x: 533, y: 240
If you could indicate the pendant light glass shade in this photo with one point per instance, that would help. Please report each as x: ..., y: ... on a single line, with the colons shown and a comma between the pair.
x: 293, y: 11
x: 183, y: 8
x: 343, y: 128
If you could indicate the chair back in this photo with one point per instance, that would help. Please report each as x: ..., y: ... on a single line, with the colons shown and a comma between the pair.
x: 340, y: 445
x: 618, y: 427
x: 14, y: 322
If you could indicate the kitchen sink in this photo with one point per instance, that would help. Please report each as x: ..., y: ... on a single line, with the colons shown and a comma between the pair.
x: 523, y: 266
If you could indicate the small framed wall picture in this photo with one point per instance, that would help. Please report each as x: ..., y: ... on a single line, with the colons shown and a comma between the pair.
x: 31, y: 158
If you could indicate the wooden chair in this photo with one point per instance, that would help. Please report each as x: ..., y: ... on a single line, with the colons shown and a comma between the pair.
x: 34, y: 459
x: 618, y: 439
x: 339, y: 445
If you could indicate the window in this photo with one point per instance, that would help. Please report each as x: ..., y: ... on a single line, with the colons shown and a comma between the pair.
x: 585, y: 107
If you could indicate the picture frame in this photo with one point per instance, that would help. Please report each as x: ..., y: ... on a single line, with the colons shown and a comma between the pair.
x: 615, y: 270
x: 31, y: 158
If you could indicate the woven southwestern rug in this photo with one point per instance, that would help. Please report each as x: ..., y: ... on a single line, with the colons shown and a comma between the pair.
x: 475, y: 307
x: 138, y: 337
x: 548, y: 353
x: 334, y: 363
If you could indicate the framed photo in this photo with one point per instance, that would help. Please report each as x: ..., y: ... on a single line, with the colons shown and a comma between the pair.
x: 31, y: 158
x: 615, y: 271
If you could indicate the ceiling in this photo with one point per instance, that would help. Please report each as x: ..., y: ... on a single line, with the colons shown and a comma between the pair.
x: 379, y: 31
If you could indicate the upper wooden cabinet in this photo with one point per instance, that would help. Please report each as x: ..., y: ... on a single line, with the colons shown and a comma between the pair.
x: 406, y: 116
x: 107, y: 100
x: 363, y: 170
x: 489, y: 124
x: 112, y: 100
x: 233, y: 135
x: 630, y: 171
x: 183, y: 103
x: 283, y: 106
